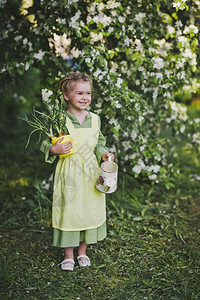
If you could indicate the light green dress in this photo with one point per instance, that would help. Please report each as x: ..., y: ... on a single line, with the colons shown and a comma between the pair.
x: 79, y: 209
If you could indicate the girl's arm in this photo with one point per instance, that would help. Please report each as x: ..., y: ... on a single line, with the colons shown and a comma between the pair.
x: 45, y: 148
x: 51, y: 151
x: 100, y: 150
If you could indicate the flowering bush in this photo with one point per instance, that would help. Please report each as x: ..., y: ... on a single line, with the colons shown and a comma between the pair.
x: 139, y: 53
x: 51, y: 121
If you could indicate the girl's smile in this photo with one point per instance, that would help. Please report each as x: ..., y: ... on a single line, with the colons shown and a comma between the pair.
x: 79, y: 95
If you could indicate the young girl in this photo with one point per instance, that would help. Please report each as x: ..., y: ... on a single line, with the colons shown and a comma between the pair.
x: 79, y: 209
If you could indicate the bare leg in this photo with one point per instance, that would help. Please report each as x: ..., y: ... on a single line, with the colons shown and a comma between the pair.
x: 83, y: 261
x: 82, y: 248
x: 69, y: 252
x: 68, y: 263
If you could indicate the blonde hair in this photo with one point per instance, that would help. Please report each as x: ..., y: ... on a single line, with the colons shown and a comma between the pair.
x: 73, y: 77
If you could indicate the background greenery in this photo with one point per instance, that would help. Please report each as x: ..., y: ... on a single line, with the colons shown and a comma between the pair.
x: 152, y: 248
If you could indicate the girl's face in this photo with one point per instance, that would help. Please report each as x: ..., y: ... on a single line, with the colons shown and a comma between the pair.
x: 79, y: 95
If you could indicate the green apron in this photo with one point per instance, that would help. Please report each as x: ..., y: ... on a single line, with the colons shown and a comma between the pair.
x: 77, y: 204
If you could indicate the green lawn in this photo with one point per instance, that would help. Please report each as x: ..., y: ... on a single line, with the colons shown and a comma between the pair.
x: 152, y: 247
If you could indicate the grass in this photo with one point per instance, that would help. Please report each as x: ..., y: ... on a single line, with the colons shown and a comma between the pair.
x: 152, y: 247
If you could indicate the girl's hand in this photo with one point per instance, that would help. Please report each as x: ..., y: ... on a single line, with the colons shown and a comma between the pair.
x: 59, y: 148
x: 106, y: 155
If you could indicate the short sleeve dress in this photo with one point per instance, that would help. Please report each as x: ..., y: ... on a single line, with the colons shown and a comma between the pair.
x: 79, y: 209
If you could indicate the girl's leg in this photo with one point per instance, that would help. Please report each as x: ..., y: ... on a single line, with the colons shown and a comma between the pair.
x: 68, y: 263
x: 83, y: 260
x: 82, y: 248
x: 69, y: 252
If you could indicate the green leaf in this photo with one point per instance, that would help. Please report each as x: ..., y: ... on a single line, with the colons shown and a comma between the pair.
x: 100, y: 25
x: 78, y: 34
x: 174, y: 15
x: 169, y: 185
x: 20, y: 70
x: 137, y: 219
x: 115, y: 131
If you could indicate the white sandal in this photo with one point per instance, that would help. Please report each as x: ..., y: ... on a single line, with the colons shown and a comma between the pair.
x: 67, y: 264
x: 83, y: 262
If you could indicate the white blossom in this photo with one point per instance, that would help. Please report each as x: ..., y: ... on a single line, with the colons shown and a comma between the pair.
x: 121, y: 19
x: 39, y: 55
x: 114, y: 13
x: 153, y: 168
x: 46, y: 95
x: 46, y: 185
x: 182, y: 129
x: 179, y: 24
x: 165, y: 86
x: 182, y: 39
x: 117, y: 104
x: 187, y: 52
x: 126, y: 145
x: 137, y: 169
x: 111, y: 4
x: 72, y: 1
x: 25, y: 41
x: 191, y: 28
x: 113, y: 121
x: 141, y: 163
x: 2, y: 3
x: 74, y: 20
x: 51, y: 177
x: 62, y: 21
x: 133, y: 135
x: 155, y: 94
x: 131, y: 28
x: 96, y: 36
x: 139, y: 46
x: 180, y: 63
x: 100, y: 6
x: 141, y: 118
x: 153, y: 177
x: 197, y: 120
x: 158, y: 63
x: 30, y: 46
x: 176, y: 4
x: 196, y: 138
x: 137, y: 82
x: 159, y: 75
x: 17, y: 38
x: 103, y: 19
x: 26, y: 66
x: 119, y: 82
x: 139, y: 17
x: 170, y: 29
x: 181, y: 75
x: 142, y: 148
x: 127, y: 41
x: 88, y: 60
x: 3, y: 70
x: 110, y: 29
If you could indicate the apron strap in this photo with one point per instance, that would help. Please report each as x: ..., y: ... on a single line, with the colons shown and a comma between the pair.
x: 95, y: 122
x: 70, y: 127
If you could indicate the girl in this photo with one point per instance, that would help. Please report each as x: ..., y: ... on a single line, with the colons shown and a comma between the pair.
x: 79, y: 209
